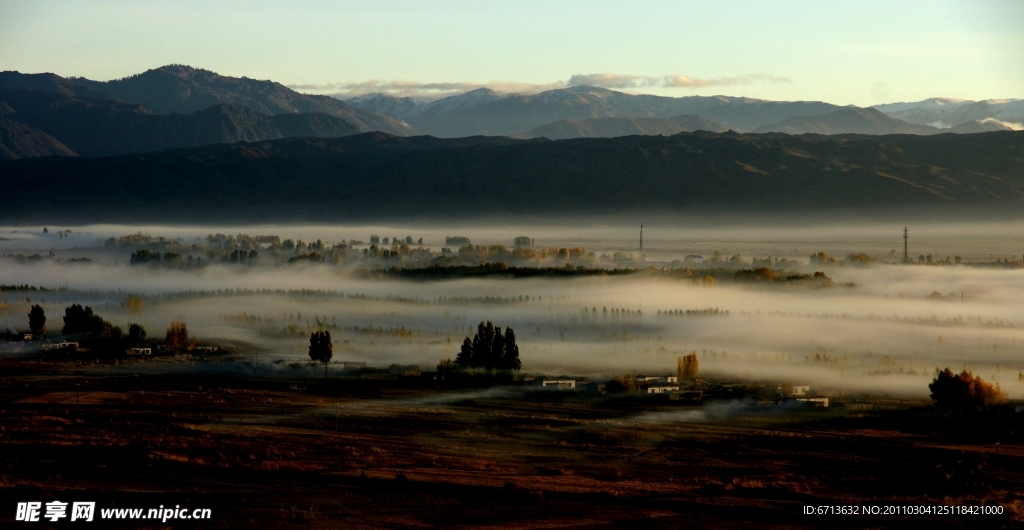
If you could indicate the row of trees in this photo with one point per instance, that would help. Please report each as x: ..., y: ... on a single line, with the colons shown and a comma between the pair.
x: 83, y: 321
x: 489, y: 349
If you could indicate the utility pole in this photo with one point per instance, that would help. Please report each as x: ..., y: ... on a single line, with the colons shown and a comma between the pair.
x: 906, y: 255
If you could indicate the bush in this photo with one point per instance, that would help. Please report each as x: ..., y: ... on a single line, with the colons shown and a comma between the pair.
x: 964, y: 390
x: 624, y: 383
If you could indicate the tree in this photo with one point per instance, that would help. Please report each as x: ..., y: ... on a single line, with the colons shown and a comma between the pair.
x: 136, y: 333
x: 510, y: 359
x: 465, y: 356
x: 177, y: 335
x: 133, y: 303
x: 79, y: 320
x: 490, y: 349
x: 482, y: 345
x: 493, y: 360
x: 321, y: 348
x: 445, y: 365
x: 37, y: 320
x: 964, y: 390
x: 686, y: 367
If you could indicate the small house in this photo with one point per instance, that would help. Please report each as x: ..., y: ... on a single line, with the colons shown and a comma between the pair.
x: 559, y: 384
x: 818, y: 402
x: 662, y: 389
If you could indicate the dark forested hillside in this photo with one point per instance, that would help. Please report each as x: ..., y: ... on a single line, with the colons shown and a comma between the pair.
x: 18, y: 140
x: 613, y: 127
x: 376, y: 176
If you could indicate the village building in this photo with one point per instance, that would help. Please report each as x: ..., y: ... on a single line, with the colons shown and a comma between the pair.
x: 559, y: 384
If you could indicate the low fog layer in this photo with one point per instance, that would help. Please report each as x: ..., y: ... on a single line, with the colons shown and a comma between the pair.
x: 886, y: 334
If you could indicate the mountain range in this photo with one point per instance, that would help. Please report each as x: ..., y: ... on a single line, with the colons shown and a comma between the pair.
x: 173, y: 106
x: 183, y: 89
x: 948, y: 113
x: 372, y: 176
x: 484, y: 111
x: 177, y: 106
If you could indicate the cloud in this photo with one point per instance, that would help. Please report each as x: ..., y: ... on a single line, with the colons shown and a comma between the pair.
x: 624, y: 81
x: 437, y: 90
x: 423, y: 91
x: 1011, y: 125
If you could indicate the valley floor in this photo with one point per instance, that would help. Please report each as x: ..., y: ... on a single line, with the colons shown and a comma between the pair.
x: 309, y: 453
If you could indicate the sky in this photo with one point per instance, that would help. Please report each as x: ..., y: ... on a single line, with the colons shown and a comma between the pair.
x: 861, y: 53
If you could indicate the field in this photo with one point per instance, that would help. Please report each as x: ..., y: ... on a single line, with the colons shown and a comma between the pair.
x: 343, y: 452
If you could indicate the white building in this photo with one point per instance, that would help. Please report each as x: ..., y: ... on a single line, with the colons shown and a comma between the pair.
x: 559, y: 384
x: 662, y: 389
x: 820, y: 402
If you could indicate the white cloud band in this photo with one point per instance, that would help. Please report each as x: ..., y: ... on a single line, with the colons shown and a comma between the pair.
x: 418, y: 90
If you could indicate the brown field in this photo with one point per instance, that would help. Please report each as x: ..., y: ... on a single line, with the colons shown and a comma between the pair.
x: 343, y: 453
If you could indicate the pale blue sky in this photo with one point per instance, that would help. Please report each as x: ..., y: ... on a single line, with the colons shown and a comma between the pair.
x: 861, y: 52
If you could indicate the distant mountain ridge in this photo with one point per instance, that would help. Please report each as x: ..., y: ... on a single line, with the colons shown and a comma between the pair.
x: 48, y: 83
x: 486, y: 112
x: 170, y: 107
x: 949, y: 113
x: 91, y: 127
x: 183, y: 89
x: 483, y: 111
x: 374, y: 176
